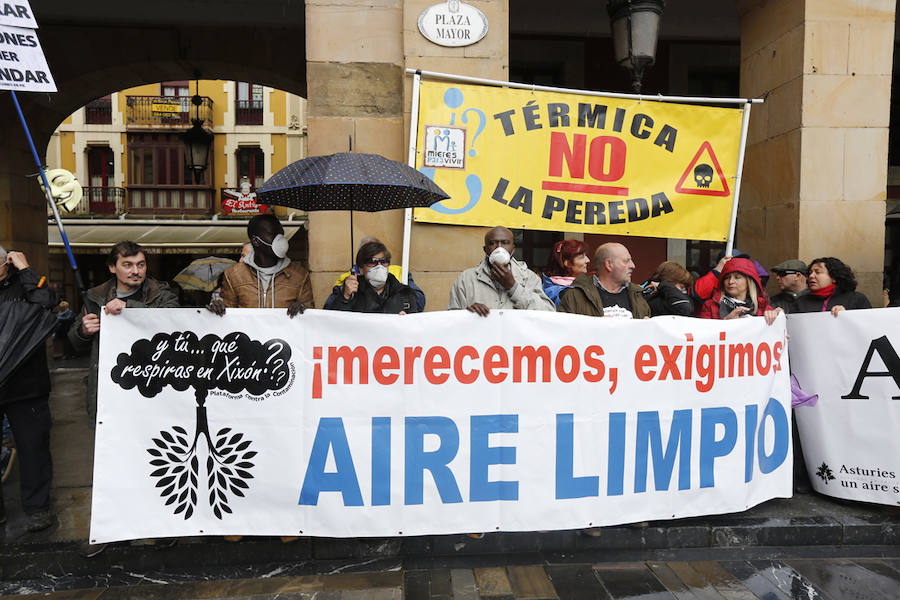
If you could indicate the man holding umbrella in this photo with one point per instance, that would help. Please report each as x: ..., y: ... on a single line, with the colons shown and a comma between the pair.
x: 266, y: 277
x: 25, y: 393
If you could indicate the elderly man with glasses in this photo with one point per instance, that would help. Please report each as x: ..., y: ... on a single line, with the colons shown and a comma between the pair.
x: 791, y: 278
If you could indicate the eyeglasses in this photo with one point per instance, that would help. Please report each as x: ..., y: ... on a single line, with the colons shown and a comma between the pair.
x: 378, y: 261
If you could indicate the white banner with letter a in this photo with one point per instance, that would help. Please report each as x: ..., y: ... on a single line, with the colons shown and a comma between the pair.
x: 340, y: 424
x: 850, y: 433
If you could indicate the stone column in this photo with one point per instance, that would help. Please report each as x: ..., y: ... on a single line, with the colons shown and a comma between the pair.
x: 815, y: 172
x: 439, y: 252
x: 355, y: 93
x: 23, y: 209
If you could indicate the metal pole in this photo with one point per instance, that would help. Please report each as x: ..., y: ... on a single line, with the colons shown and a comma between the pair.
x: 745, y: 123
x: 544, y: 88
x: 62, y: 232
x: 411, y: 161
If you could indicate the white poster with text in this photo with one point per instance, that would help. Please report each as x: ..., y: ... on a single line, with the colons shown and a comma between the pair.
x: 343, y: 425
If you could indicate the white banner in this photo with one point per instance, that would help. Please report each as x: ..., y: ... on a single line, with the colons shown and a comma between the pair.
x: 851, y: 436
x: 23, y: 67
x: 341, y: 424
x: 18, y: 14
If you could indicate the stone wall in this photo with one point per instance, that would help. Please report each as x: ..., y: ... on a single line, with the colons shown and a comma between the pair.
x: 815, y: 173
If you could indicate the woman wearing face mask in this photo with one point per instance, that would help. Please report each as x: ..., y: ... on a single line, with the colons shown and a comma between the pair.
x: 832, y: 287
x: 567, y: 260
x: 739, y: 294
x: 371, y: 288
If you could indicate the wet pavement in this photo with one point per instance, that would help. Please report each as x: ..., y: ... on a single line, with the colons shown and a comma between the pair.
x: 808, y: 579
x: 808, y: 546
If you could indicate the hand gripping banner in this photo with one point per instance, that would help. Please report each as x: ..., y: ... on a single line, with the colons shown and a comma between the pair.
x: 568, y: 162
x: 344, y: 425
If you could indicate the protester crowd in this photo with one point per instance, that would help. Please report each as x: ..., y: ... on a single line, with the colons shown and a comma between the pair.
x: 572, y: 282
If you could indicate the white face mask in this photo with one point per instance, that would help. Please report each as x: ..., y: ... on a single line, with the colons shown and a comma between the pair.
x: 500, y: 256
x: 377, y: 276
x: 279, y: 245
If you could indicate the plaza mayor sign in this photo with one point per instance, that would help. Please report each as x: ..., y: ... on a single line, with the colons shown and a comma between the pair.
x: 453, y: 23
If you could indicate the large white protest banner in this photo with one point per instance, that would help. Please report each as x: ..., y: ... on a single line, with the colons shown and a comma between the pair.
x: 22, y: 63
x: 851, y: 436
x: 341, y: 424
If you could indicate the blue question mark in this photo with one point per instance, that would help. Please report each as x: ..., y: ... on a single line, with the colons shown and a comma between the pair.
x: 481, y: 123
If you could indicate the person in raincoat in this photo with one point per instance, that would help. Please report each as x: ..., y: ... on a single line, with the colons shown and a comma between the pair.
x: 25, y: 395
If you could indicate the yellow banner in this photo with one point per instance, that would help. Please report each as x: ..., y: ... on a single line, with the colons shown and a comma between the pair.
x: 567, y: 162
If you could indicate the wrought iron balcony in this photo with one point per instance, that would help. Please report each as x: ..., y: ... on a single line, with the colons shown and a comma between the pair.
x: 98, y: 112
x: 97, y: 201
x: 165, y: 200
x: 248, y: 112
x: 166, y: 111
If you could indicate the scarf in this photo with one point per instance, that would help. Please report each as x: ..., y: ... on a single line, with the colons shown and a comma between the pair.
x: 822, y: 292
x: 728, y: 304
x: 562, y: 280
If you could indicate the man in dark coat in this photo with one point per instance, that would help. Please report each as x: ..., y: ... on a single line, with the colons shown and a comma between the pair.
x: 791, y: 278
x: 610, y: 292
x: 129, y: 287
x: 24, y: 396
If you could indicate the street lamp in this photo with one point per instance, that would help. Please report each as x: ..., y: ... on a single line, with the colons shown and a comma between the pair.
x: 635, y: 27
x: 197, y: 141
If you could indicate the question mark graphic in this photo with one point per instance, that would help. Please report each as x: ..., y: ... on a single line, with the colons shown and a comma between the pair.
x: 272, y: 344
x: 481, y: 123
x: 278, y: 362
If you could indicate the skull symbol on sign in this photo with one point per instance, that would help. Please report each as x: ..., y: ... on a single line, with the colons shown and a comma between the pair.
x: 703, y: 175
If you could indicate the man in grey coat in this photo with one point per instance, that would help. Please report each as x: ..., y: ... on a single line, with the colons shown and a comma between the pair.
x: 498, y: 281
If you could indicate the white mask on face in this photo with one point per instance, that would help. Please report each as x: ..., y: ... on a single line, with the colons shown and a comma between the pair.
x: 500, y: 256
x: 377, y: 276
x: 279, y: 245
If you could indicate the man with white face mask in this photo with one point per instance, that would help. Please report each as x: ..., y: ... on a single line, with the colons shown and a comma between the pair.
x: 498, y: 281
x: 265, y: 278
x: 371, y: 288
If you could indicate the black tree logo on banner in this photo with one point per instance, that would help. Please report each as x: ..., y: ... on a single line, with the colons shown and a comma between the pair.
x: 825, y: 473
x: 233, y: 364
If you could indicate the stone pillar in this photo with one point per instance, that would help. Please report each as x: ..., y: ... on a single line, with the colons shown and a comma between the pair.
x: 355, y: 93
x: 815, y: 172
x: 439, y: 252
x: 23, y: 209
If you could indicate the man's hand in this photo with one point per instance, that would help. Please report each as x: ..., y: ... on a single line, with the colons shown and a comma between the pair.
x: 114, y: 307
x: 217, y: 307
x: 351, y: 285
x: 503, y: 275
x: 17, y: 259
x: 296, y: 308
x: 479, y: 309
x: 90, y: 324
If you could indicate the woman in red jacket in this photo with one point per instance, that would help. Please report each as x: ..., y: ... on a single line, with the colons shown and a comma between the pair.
x: 739, y: 294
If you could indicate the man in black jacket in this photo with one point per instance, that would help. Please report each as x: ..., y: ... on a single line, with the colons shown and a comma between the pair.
x: 24, y: 396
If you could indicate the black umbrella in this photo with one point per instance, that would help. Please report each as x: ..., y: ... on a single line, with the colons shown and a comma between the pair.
x: 349, y: 181
x: 23, y: 327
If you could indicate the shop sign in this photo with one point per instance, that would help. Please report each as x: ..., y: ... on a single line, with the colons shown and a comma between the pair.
x: 453, y: 24
x: 241, y: 202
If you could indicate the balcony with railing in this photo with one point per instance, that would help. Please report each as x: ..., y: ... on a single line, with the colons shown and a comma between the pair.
x: 166, y: 200
x: 152, y: 112
x: 97, y: 202
x: 248, y: 112
x: 98, y: 112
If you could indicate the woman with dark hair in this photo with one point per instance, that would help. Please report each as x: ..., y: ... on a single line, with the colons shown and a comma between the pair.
x: 832, y: 286
x: 739, y: 294
x: 567, y: 260
x: 666, y: 291
x: 370, y: 288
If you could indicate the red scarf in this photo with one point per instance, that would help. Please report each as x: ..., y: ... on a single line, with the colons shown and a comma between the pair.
x: 822, y: 292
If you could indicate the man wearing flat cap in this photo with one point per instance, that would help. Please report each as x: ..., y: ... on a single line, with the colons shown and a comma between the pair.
x: 791, y: 278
